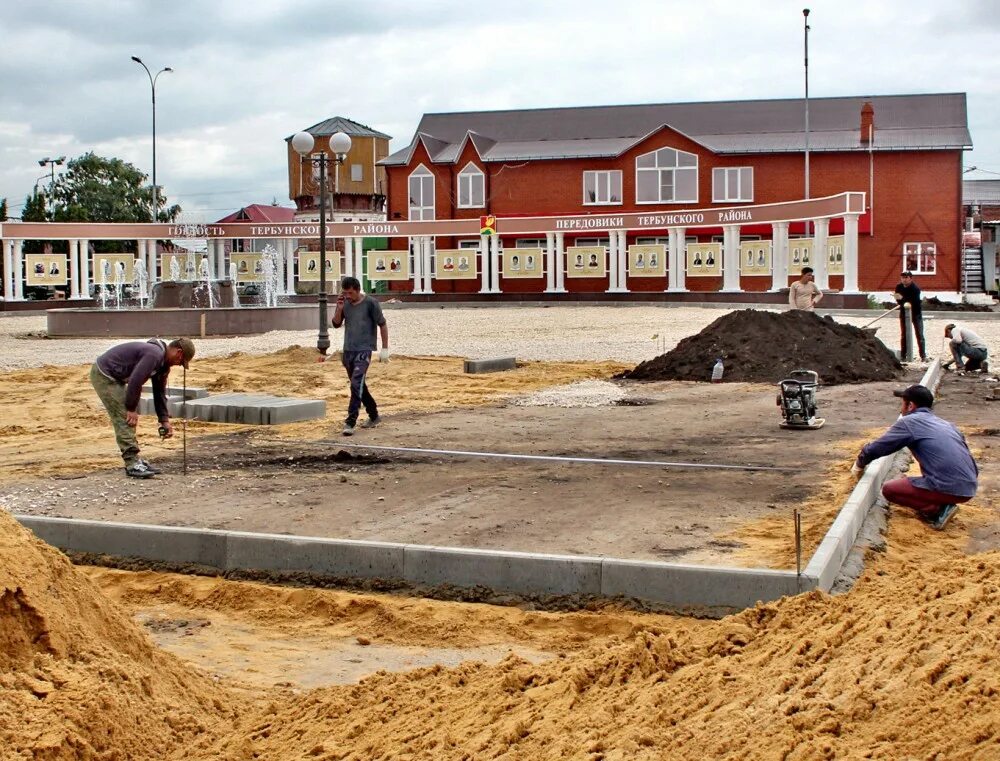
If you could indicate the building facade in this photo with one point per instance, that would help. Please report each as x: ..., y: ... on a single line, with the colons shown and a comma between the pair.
x: 903, y: 152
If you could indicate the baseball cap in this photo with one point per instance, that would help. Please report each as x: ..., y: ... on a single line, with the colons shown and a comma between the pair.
x: 906, y: 273
x: 919, y: 395
x: 187, y: 350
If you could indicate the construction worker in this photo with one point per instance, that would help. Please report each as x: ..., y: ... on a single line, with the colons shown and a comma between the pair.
x: 948, y: 474
x: 361, y: 314
x: 804, y: 293
x: 966, y: 344
x: 118, y: 376
x: 908, y: 292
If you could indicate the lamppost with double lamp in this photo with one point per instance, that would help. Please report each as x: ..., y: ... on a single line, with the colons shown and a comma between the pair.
x: 52, y: 163
x: 152, y: 86
x: 340, y: 144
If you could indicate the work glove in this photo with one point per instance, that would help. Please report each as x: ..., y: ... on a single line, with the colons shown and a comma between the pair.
x: 855, y: 470
x: 383, y: 355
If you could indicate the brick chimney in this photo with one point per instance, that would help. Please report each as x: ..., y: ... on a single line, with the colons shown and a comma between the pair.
x: 867, y: 123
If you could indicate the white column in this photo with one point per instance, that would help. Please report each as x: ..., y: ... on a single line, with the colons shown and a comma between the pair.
x: 17, y: 271
x: 153, y: 264
x: 779, y: 256
x: 550, y: 262
x: 84, y: 271
x: 484, y: 263
x: 359, y: 256
x: 74, y: 269
x: 623, y: 260
x: 731, y: 258
x: 8, y: 267
x: 677, y: 260
x: 560, y: 263
x: 850, y: 253
x: 612, y: 260
x: 494, y: 264
x: 348, y: 269
x: 289, y: 247
x: 418, y: 279
x: 428, y: 281
x: 821, y: 270
x: 220, y: 258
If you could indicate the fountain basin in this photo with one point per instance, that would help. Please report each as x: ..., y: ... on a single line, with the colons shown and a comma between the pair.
x: 192, y: 294
x: 144, y: 323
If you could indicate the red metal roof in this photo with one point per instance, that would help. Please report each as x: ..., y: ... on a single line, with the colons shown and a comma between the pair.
x: 257, y: 212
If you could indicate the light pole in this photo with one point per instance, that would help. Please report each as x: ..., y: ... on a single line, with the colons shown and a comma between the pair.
x: 340, y: 144
x: 152, y: 87
x: 805, y: 22
x: 52, y: 163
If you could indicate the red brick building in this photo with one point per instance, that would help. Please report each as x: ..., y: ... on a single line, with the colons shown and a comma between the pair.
x: 903, y: 152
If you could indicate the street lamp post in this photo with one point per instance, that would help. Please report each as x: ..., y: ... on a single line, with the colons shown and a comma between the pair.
x: 152, y: 87
x: 52, y: 163
x: 805, y: 22
x: 340, y: 144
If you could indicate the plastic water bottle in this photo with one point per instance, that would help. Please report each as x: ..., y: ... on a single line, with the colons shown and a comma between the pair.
x: 717, y: 371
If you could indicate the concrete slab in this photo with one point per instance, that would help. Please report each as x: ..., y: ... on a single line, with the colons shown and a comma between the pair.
x: 249, y: 409
x: 179, y: 391
x: 490, y: 365
x: 516, y: 572
x: 698, y: 586
x: 328, y: 557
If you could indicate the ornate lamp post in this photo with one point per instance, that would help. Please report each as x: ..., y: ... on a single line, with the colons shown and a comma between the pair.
x: 52, y: 164
x: 340, y: 144
x: 152, y: 86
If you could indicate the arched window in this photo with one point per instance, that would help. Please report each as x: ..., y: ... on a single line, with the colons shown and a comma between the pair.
x: 471, y: 187
x: 421, y: 194
x: 666, y: 176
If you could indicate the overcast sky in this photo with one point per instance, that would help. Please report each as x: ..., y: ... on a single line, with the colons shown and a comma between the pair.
x: 249, y: 73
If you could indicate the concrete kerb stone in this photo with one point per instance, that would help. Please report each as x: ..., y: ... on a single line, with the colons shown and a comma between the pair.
x: 495, y: 365
x: 516, y: 572
x: 836, y: 545
x: 328, y: 557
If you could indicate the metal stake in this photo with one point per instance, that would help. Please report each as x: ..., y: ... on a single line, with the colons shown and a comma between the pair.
x: 798, y: 545
x: 184, y: 422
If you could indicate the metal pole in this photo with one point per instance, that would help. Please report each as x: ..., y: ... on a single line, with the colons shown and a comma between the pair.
x: 323, y: 340
x: 156, y: 193
x: 805, y: 21
x: 184, y: 422
x: 798, y: 544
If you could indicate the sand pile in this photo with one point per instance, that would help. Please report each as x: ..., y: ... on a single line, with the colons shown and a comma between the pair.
x: 903, y: 669
x: 78, y: 680
x: 765, y: 347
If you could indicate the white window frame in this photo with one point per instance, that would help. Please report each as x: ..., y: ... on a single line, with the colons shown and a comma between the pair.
x: 468, y: 176
x: 604, y: 181
x: 744, y: 184
x: 531, y: 243
x: 663, y: 163
x: 922, y: 253
x: 424, y: 210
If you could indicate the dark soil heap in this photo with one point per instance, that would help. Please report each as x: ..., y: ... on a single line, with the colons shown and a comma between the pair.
x: 766, y: 346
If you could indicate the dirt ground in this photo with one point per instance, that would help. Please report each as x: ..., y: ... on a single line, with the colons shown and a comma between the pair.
x: 299, y: 479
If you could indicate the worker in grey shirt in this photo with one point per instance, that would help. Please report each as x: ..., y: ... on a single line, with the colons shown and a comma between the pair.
x: 965, y: 343
x: 948, y: 474
x: 360, y: 314
x: 118, y: 376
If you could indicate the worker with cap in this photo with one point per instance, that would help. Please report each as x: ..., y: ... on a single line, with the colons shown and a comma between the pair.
x: 948, y: 474
x: 966, y: 344
x: 118, y: 376
x: 908, y: 292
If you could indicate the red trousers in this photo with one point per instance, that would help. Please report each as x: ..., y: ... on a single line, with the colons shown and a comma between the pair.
x: 901, y: 491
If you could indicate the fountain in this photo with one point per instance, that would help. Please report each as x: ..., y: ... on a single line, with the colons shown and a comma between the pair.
x: 190, y: 303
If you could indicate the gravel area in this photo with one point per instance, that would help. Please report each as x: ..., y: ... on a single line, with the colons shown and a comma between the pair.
x: 629, y: 334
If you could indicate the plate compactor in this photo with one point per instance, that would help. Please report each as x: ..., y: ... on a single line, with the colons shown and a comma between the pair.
x: 797, y: 400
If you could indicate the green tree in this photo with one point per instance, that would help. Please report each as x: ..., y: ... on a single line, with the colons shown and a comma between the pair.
x: 35, y: 209
x: 98, y: 189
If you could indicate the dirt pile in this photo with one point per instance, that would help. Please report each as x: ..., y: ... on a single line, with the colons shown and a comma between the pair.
x: 78, y: 680
x: 765, y: 347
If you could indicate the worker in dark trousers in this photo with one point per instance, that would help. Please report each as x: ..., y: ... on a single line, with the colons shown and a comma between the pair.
x: 908, y: 292
x: 360, y: 315
x: 118, y: 376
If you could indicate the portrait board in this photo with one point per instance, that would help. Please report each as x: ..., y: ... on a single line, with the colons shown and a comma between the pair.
x: 522, y: 262
x: 249, y: 267
x: 704, y: 259
x: 388, y: 265
x: 647, y: 260
x: 800, y: 254
x: 113, y: 261
x: 309, y: 266
x: 586, y: 261
x: 187, y: 265
x: 45, y: 269
x: 455, y: 264
x: 835, y: 255
x: 755, y: 257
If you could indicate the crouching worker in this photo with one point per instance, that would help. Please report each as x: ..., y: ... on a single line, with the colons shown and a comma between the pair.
x: 948, y: 474
x: 118, y: 376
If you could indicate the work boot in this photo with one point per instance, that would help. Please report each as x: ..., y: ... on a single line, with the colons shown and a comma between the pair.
x: 945, y: 514
x: 984, y: 366
x: 348, y: 429
x: 138, y: 469
x: 150, y: 467
x: 372, y: 422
